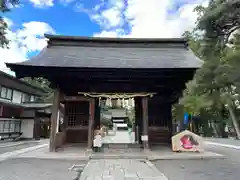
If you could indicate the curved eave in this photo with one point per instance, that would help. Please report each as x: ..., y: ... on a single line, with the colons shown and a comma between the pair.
x: 42, y: 71
x: 52, y: 37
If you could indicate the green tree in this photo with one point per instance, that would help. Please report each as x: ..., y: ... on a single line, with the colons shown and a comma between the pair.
x: 218, y: 80
x: 5, y: 6
x: 45, y: 85
x: 194, y: 103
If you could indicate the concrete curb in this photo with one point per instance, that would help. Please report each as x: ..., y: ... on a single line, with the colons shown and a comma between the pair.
x: 200, y: 157
x: 55, y: 158
x: 149, y: 158
x: 8, y: 155
x: 17, y: 143
x: 222, y: 145
x: 11, y: 145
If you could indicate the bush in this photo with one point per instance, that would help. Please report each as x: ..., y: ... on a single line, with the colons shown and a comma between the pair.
x: 129, y: 123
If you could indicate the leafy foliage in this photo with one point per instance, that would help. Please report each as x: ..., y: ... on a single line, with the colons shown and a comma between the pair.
x: 215, y: 40
x: 5, y: 6
x: 44, y: 84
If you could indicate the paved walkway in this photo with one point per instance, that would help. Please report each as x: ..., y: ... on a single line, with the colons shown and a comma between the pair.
x: 222, y: 145
x: 40, y: 144
x: 121, y: 170
x: 225, y: 142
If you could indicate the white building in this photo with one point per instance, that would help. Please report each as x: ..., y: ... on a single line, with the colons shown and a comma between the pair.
x: 20, y: 115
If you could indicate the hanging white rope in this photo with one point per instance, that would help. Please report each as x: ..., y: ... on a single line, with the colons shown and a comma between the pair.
x: 116, y: 96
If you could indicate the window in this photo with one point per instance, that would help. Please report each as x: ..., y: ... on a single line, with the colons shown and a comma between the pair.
x: 77, y: 113
x: 6, y: 93
x: 25, y: 98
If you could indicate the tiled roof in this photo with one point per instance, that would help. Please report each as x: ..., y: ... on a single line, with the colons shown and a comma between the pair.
x: 64, y: 51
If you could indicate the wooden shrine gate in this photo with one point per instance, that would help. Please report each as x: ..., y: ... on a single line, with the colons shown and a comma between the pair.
x: 102, y: 65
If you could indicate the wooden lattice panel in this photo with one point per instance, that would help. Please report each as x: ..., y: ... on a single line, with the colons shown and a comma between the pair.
x: 77, y: 113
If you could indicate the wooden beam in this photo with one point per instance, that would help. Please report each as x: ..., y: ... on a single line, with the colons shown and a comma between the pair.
x: 121, y: 73
x: 91, y: 123
x: 54, y: 117
x: 77, y: 98
x: 125, y: 77
x: 160, y: 82
x: 117, y: 88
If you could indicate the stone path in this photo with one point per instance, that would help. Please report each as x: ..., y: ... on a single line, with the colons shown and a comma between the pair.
x: 120, y: 169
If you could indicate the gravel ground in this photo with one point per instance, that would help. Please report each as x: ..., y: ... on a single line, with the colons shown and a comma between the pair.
x: 211, y: 169
x: 37, y: 169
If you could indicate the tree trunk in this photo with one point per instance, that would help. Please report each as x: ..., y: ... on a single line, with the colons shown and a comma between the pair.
x: 234, y: 120
x: 215, y: 129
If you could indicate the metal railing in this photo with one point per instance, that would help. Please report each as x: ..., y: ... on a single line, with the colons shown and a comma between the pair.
x: 10, y: 126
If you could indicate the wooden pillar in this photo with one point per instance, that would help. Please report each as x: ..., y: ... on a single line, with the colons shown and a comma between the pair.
x: 97, y: 113
x: 145, y: 122
x: 37, y: 126
x: 170, y: 121
x: 138, y: 118
x: 1, y: 110
x: 136, y: 121
x: 91, y: 123
x: 54, y: 116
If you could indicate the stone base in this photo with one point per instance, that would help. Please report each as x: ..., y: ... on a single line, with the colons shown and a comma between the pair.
x: 89, y: 150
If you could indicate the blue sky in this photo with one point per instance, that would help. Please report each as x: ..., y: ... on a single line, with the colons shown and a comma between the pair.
x: 64, y: 19
x: 105, y: 18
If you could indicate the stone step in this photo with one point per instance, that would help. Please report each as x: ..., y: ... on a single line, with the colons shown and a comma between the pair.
x: 122, y: 151
x: 118, y: 155
x: 121, y: 146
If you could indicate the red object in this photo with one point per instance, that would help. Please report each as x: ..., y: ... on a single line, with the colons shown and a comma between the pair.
x: 186, y: 142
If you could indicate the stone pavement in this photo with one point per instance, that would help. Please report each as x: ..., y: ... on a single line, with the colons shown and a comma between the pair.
x: 79, y: 153
x: 37, y: 169
x: 120, y: 169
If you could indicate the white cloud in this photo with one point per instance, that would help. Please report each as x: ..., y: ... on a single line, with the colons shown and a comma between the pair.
x: 42, y: 3
x: 107, y: 14
x: 143, y: 18
x: 49, y: 3
x: 27, y: 39
x: 115, y: 33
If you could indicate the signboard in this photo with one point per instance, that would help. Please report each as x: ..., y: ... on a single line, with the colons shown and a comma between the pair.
x: 187, y: 141
x: 185, y: 118
x: 144, y: 138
